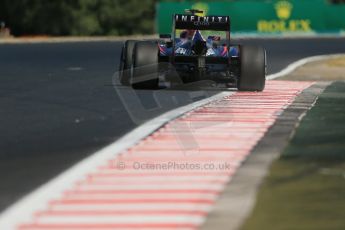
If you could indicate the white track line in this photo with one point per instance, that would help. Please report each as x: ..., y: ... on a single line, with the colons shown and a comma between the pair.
x: 37, y: 200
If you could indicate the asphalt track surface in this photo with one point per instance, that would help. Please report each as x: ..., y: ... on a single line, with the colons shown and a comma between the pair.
x: 58, y: 104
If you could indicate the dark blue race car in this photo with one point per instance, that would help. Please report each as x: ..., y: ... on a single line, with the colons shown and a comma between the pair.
x: 199, y: 48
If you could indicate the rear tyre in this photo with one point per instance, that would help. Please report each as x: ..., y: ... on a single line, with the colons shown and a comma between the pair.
x: 126, y: 62
x: 252, y: 68
x: 145, y: 65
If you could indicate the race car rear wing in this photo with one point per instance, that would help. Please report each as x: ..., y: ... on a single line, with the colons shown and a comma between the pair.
x: 194, y: 22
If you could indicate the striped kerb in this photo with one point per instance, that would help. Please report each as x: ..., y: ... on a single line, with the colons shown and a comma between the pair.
x: 172, y: 178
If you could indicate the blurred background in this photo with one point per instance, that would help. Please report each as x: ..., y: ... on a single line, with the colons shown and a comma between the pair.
x: 128, y: 17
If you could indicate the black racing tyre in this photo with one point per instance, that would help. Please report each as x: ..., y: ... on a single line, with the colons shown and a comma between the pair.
x: 126, y: 62
x: 145, y: 65
x: 253, y: 68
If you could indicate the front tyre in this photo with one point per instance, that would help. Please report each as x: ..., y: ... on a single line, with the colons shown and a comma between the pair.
x: 252, y: 68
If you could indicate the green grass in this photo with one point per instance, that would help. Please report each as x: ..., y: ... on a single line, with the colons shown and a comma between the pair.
x: 305, y: 188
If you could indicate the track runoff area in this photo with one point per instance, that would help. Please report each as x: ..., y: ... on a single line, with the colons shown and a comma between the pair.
x: 165, y: 174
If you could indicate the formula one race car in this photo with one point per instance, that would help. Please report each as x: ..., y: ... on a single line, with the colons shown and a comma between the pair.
x: 193, y: 57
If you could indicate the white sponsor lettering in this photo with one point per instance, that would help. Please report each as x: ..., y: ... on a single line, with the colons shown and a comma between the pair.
x: 210, y: 52
x: 201, y: 23
x: 180, y: 50
x: 201, y: 20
